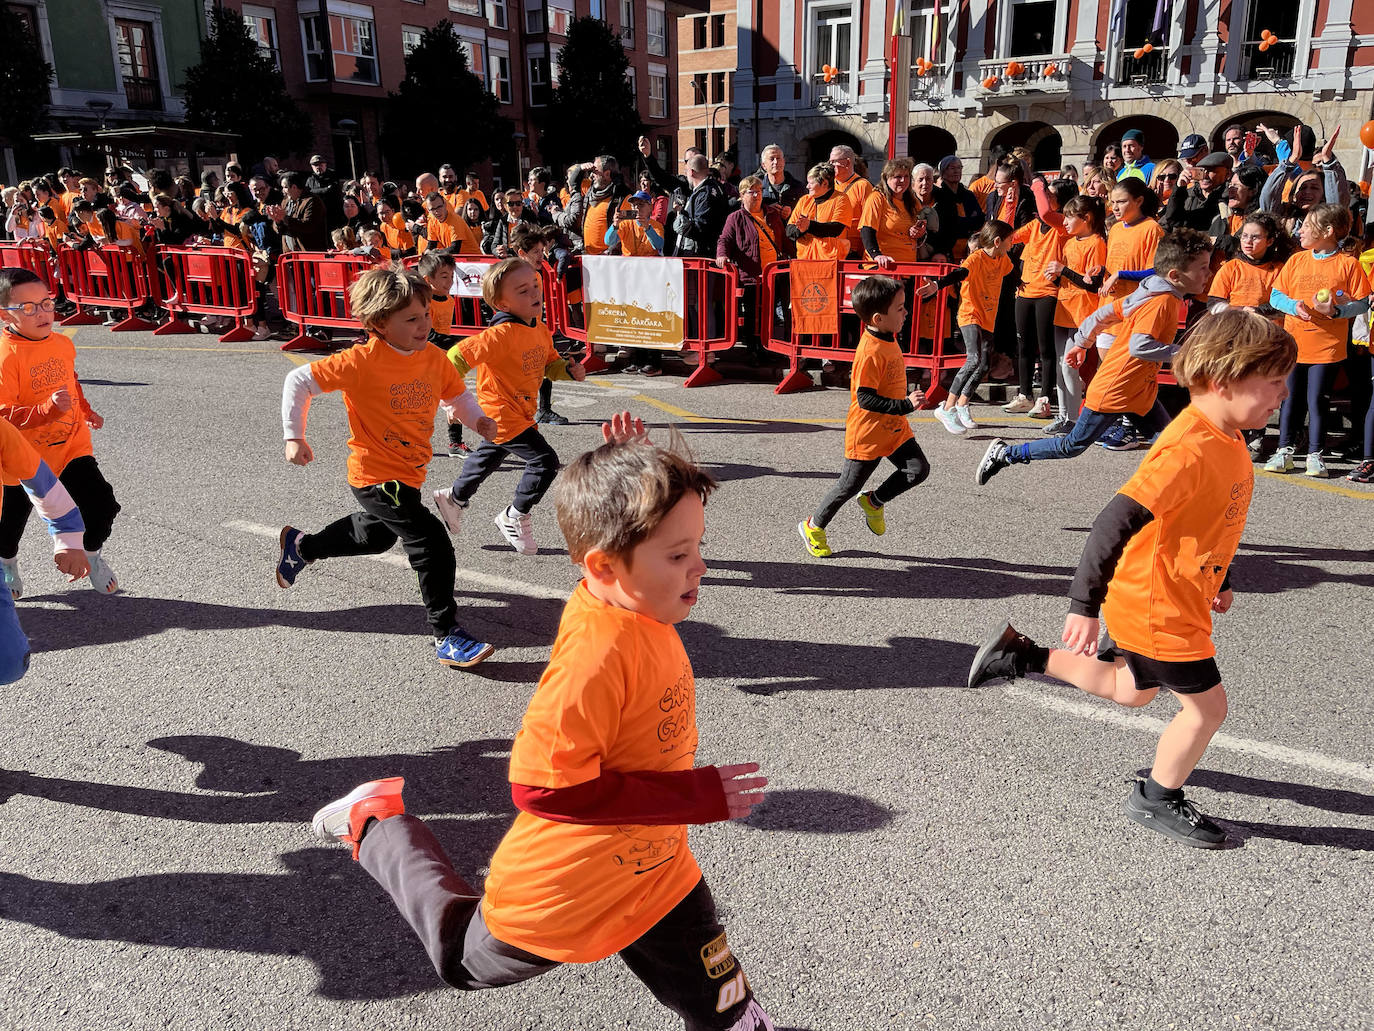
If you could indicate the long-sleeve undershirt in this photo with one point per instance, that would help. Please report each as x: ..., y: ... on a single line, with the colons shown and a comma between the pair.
x: 649, y: 798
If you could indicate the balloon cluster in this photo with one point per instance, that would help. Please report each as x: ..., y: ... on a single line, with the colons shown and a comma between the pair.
x: 1140, y: 52
x: 1015, y: 68
x: 991, y: 82
x: 1050, y: 69
x: 829, y: 71
x: 924, y: 66
x: 1267, y: 39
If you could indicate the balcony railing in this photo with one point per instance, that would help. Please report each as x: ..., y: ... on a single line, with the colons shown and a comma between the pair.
x: 1046, y: 74
x: 834, y: 95
x: 931, y: 84
x: 142, y: 94
x: 1147, y: 70
x: 1275, y: 63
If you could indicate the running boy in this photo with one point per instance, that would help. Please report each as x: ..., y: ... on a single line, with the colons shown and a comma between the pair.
x: 391, y: 386
x: 1155, y: 565
x: 511, y: 357
x: 1127, y: 380
x: 597, y: 860
x: 437, y: 268
x: 877, y: 425
x: 531, y: 245
x: 41, y: 396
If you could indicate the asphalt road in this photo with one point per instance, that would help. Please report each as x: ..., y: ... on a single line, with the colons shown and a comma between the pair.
x: 930, y: 856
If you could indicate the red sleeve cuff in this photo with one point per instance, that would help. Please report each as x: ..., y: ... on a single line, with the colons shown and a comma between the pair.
x: 643, y: 797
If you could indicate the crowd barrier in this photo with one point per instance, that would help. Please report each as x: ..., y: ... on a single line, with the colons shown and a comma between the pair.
x: 28, y: 254
x: 107, y: 276
x: 312, y: 292
x: 213, y: 281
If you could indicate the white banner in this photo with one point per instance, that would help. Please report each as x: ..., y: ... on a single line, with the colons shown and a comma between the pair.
x: 634, y: 302
x: 467, y: 278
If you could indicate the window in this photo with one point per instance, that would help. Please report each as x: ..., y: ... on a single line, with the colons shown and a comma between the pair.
x: 656, y: 29
x: 627, y: 22
x: 717, y: 142
x: 540, y: 88
x: 634, y: 87
x: 262, y: 26
x: 597, y: 9
x: 500, y: 76
x: 534, y: 16
x: 410, y: 38
x: 560, y: 16
x: 699, y: 140
x: 1277, y: 60
x: 315, y: 41
x: 138, y: 65
x: 1032, y: 28
x: 355, y: 48
x: 1138, y: 26
x: 468, y: 7
x: 699, y: 33
x: 699, y: 88
x: 658, y: 91
x: 931, y: 22
x: 717, y: 87
x: 474, y: 44
x: 834, y: 27
x: 717, y: 30
x: 496, y: 13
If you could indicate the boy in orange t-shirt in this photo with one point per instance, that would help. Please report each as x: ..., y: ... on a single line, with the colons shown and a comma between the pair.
x: 437, y: 269
x: 1127, y: 383
x: 392, y: 386
x: 602, y: 772
x: 1155, y: 566
x: 511, y: 358
x: 877, y: 426
x: 41, y: 396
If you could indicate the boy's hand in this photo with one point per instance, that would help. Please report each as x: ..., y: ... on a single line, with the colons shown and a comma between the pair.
x: 61, y: 399
x: 298, y: 452
x: 1074, y: 356
x: 1222, y: 602
x: 624, y: 428
x: 1107, y: 285
x: 1080, y: 634
x: 1303, y: 313
x: 917, y: 397
x: 94, y: 421
x: 486, y: 426
x: 577, y: 371
x: 884, y: 261
x: 644, y: 145
x: 741, y: 791
x: 74, y: 564
x: 928, y: 289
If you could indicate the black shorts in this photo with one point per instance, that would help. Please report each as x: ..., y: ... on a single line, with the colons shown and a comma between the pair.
x: 1192, y: 677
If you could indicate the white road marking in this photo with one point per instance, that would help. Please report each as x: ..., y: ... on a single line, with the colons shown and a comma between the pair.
x: 1105, y: 712
x: 391, y: 558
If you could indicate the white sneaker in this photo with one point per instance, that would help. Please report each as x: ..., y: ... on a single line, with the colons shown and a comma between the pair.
x: 1019, y: 405
x: 515, y: 527
x: 13, y: 580
x: 102, y: 576
x: 1041, y: 409
x: 965, y: 417
x: 949, y: 419
x: 450, y: 510
x: 1315, y: 466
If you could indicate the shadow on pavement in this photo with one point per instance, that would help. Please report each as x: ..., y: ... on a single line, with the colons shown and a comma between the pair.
x: 1279, y: 567
x: 819, y: 811
x: 1332, y: 799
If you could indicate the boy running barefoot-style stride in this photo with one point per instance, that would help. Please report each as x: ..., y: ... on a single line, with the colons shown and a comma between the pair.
x: 392, y: 386
x: 1155, y: 565
x: 877, y: 426
x: 596, y: 862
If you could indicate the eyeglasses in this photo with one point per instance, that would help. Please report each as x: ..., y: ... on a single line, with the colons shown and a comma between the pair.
x: 32, y: 308
x: 1168, y: 177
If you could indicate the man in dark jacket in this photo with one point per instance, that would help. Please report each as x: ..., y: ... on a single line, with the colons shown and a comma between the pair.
x: 701, y: 217
x: 301, y: 220
x: 1198, y: 206
x: 325, y: 186
x: 780, y: 186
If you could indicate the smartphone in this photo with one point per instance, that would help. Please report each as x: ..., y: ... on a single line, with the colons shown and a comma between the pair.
x: 1251, y: 141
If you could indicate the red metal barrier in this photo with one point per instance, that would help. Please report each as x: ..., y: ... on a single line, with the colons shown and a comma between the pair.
x: 924, y: 340
x: 312, y: 291
x: 108, y: 276
x: 28, y: 254
x: 215, y: 281
x: 704, y: 285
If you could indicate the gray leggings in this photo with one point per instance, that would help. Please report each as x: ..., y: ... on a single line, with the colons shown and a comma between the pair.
x: 977, y: 345
x: 911, y: 470
x: 1070, y: 382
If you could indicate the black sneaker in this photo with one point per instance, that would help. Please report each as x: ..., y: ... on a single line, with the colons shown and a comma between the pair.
x: 548, y: 417
x: 1002, y: 657
x: 458, y: 449
x: 1362, y: 473
x: 994, y: 460
x: 1178, y: 818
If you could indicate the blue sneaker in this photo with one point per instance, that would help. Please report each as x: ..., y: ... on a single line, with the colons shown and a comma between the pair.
x: 289, y: 562
x: 1129, y: 440
x: 461, y: 650
x: 1113, y: 436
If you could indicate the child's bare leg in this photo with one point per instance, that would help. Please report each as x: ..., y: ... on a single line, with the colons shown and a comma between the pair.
x: 1187, y: 736
x: 1110, y: 680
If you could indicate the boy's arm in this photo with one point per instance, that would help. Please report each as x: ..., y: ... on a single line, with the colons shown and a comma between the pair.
x: 300, y: 386
x: 645, y: 797
x: 1113, y: 529
x: 56, y: 508
x: 871, y: 401
x: 455, y: 355
x: 465, y: 406
x: 1107, y: 315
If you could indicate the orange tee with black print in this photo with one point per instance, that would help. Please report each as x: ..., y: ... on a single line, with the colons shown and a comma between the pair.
x: 1124, y: 383
x: 398, y: 238
x: 892, y: 224
x: 1131, y: 248
x: 1244, y: 284
x: 31, y: 371
x: 834, y: 208
x: 634, y: 241
x: 510, y: 359
x: 451, y: 230
x: 391, y: 399
x: 1321, y: 341
x: 595, y: 224
x: 1196, y: 481
x: 983, y: 289
x: 857, y: 189
x: 441, y: 313
x: 878, y: 365
x: 618, y: 696
x: 1083, y: 256
x: 1042, y: 244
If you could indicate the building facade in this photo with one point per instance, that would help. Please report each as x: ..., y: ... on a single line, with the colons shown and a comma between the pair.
x: 1064, y: 77
x: 706, y: 73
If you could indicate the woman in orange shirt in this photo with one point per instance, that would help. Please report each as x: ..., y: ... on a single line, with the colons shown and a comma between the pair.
x: 821, y: 219
x: 1042, y: 244
x: 889, y: 226
x: 1079, y: 275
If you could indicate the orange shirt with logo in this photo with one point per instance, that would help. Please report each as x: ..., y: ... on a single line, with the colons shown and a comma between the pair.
x: 983, y: 289
x: 1321, y: 341
x: 834, y: 208
x: 1244, y: 284
x: 892, y: 224
x: 510, y: 359
x: 441, y: 313
x: 1042, y: 244
x: 1125, y: 383
x: 618, y: 695
x: 595, y: 224
x: 453, y: 229
x: 1197, y: 482
x: 391, y: 399
x: 1084, y: 256
x: 634, y: 241
x: 1131, y: 248
x: 857, y: 189
x: 878, y: 365
x: 18, y: 461
x: 31, y: 371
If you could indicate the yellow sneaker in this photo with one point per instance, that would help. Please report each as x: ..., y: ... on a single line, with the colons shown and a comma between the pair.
x: 815, y: 539
x: 873, y: 514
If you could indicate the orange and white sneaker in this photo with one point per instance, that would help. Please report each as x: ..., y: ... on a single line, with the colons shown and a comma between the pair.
x: 346, y: 818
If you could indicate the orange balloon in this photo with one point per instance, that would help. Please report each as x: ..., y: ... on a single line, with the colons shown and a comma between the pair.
x: 1367, y: 135
x: 1265, y: 34
x: 1139, y: 53
x: 920, y: 70
x: 1051, y: 68
x: 1148, y: 48
x: 1264, y: 45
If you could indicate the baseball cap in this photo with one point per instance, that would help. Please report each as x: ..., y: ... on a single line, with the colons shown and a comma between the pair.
x: 1192, y: 143
x: 642, y: 195
x: 1133, y: 134
x: 1217, y: 159
x: 316, y: 157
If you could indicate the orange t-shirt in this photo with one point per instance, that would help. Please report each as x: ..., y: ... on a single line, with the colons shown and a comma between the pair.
x: 878, y: 365
x: 1243, y: 283
x: 892, y: 225
x: 441, y: 313
x: 1125, y: 383
x: 1321, y: 341
x: 391, y: 399
x: 1197, y: 482
x: 30, y: 372
x: 595, y: 224
x: 446, y: 233
x: 1042, y: 244
x: 398, y: 238
x: 618, y: 696
x: 1084, y: 256
x: 1131, y: 248
x: 857, y: 189
x: 834, y: 208
x: 983, y: 289
x: 767, y: 252
x: 634, y: 241
x: 982, y: 188
x: 510, y: 359
x: 18, y: 461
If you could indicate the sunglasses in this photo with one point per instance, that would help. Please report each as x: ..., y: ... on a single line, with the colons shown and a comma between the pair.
x: 32, y: 308
x: 1169, y: 177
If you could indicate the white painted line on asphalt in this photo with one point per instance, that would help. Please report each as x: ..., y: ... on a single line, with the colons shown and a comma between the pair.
x: 498, y: 583
x: 1105, y: 712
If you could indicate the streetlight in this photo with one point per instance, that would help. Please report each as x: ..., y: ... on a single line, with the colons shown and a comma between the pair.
x: 349, y: 127
x: 519, y: 138
x: 710, y: 138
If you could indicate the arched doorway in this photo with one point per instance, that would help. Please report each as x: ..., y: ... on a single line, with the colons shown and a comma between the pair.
x: 1279, y: 121
x: 1161, y: 136
x: 1043, y: 141
x: 929, y: 143
x: 818, y: 147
